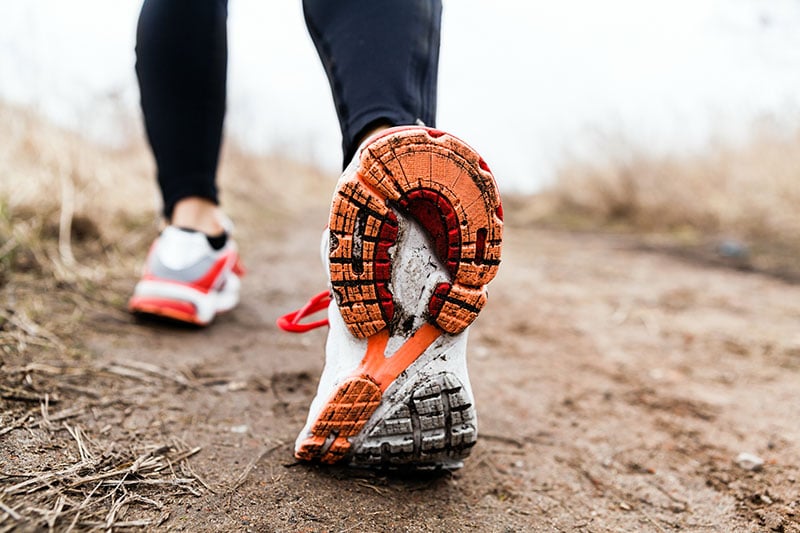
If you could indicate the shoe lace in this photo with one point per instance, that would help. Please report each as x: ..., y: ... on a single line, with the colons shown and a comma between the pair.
x: 291, y: 321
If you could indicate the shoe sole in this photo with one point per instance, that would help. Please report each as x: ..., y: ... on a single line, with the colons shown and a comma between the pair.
x: 183, y: 303
x: 446, y: 186
x: 171, y: 309
x: 430, y: 423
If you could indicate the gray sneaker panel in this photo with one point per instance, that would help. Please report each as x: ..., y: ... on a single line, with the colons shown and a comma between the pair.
x: 185, y: 275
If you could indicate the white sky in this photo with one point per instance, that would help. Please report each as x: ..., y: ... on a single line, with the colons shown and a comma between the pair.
x: 527, y: 83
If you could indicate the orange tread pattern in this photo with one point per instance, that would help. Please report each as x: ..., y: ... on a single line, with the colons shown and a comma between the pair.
x: 344, y: 415
x: 421, y: 170
x: 362, y: 228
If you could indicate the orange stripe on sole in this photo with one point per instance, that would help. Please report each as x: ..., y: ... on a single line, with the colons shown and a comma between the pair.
x: 344, y: 415
x: 172, y: 309
x: 354, y: 401
x: 383, y: 371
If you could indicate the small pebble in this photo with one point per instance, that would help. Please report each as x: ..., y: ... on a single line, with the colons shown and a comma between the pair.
x: 774, y: 522
x: 733, y: 249
x: 749, y: 461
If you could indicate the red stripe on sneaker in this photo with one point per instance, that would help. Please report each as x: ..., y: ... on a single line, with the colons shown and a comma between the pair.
x: 210, y: 279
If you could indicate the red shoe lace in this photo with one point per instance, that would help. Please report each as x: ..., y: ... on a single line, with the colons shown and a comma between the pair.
x: 291, y: 321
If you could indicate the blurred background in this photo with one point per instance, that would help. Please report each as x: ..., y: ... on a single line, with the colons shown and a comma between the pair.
x: 531, y: 84
x: 675, y: 120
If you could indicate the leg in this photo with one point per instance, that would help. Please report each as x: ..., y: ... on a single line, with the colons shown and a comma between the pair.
x: 181, y: 61
x: 381, y: 58
x: 413, y: 238
x: 192, y: 271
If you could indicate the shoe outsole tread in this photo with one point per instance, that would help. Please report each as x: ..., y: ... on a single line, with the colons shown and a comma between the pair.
x: 447, y: 188
x: 433, y: 425
x: 344, y: 416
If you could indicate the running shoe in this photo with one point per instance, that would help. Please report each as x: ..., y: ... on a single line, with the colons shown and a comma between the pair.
x: 186, y: 279
x: 413, y: 238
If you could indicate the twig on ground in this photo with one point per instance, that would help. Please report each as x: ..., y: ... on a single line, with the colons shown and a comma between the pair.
x: 32, y: 330
x: 112, y: 513
x: 185, y: 466
x: 186, y: 454
x: 18, y: 423
x: 650, y: 519
x: 125, y: 372
x: 504, y: 439
x: 45, y: 406
x: 62, y: 415
x: 7, y: 393
x: 683, y: 503
x: 177, y: 377
x: 158, y: 505
x: 53, y: 515
x: 246, y: 472
x: 82, y: 506
x: 10, y: 512
x: 86, y: 455
x: 42, y: 480
x: 147, y: 373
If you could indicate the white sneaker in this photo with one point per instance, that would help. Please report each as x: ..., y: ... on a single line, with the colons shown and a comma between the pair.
x: 414, y: 236
x: 187, y: 280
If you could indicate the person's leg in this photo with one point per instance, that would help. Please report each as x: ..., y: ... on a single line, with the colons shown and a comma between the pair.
x: 192, y: 270
x: 181, y: 62
x: 381, y: 58
x: 413, y: 238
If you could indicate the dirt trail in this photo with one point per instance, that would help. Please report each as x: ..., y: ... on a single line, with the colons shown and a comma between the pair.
x: 615, y: 389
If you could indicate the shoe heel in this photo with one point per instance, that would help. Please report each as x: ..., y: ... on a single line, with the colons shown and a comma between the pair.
x: 433, y: 425
x: 443, y: 184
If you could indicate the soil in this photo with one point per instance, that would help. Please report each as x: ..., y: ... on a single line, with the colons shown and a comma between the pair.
x: 615, y: 385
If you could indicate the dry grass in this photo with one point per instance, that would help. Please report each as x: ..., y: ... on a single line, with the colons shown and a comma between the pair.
x: 746, y: 194
x: 75, y: 223
x: 68, y: 464
x: 76, y: 218
x: 752, y: 189
x: 59, y: 192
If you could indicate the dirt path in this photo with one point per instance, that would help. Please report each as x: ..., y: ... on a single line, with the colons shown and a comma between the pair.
x: 615, y: 390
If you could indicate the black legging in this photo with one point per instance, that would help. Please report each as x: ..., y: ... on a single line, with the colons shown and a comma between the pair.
x: 381, y: 58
